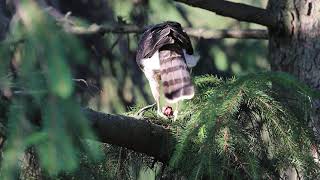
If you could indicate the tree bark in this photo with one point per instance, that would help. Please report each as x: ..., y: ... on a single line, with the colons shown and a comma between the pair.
x: 139, y: 135
x: 295, y: 46
x: 30, y: 167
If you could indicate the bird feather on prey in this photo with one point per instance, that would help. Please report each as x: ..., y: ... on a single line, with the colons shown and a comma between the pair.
x: 165, y: 55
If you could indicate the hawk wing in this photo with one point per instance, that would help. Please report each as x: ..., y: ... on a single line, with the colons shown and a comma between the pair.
x: 162, y: 34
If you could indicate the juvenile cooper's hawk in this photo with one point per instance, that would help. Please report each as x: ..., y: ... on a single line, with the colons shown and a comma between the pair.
x: 164, y: 55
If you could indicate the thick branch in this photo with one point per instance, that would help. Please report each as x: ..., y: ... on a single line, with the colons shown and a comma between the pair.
x: 138, y: 135
x: 234, y: 10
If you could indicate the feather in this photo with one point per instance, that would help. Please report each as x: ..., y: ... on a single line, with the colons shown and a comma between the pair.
x: 191, y: 60
x: 175, y: 77
x: 150, y: 64
x: 162, y: 34
x: 151, y: 69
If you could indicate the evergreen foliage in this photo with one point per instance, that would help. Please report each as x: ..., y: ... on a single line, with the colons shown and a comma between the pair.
x: 253, y: 127
x: 43, y: 80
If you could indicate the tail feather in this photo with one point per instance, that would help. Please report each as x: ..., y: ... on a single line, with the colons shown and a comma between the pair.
x: 175, y: 76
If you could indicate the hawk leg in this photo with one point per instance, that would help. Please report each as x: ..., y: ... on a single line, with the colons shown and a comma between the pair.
x: 154, y: 82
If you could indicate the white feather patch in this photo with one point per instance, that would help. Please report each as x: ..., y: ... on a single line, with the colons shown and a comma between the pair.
x: 151, y: 64
x: 191, y: 60
x: 180, y: 98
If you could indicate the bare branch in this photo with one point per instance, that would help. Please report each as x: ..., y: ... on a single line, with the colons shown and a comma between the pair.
x: 71, y: 27
x: 234, y: 10
x: 100, y: 29
x: 139, y: 135
x: 225, y: 8
x: 193, y: 32
x: 220, y: 34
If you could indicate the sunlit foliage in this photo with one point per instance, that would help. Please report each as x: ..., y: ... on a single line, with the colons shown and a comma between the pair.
x: 252, y: 127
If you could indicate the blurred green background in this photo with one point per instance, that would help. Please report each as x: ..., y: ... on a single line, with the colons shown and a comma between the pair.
x: 221, y: 57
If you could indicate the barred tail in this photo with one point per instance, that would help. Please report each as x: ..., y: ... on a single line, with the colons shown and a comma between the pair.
x: 175, y: 77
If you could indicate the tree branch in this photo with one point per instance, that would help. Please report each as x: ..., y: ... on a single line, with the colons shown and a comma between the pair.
x: 220, y: 34
x: 234, y: 10
x: 193, y: 32
x: 225, y: 8
x: 139, y: 135
x: 69, y: 26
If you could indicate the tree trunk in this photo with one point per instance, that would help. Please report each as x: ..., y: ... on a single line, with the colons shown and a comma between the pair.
x: 30, y: 167
x: 295, y: 46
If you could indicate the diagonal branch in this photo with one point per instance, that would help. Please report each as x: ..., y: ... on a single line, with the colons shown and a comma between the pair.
x: 139, y: 135
x: 241, y: 12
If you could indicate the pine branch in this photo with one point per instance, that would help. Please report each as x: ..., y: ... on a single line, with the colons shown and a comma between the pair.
x: 234, y: 10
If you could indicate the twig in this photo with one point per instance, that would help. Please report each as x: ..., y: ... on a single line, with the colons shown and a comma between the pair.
x: 92, y: 89
x: 237, y: 160
x: 297, y: 171
x: 100, y: 29
x: 141, y: 111
x: 81, y: 80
